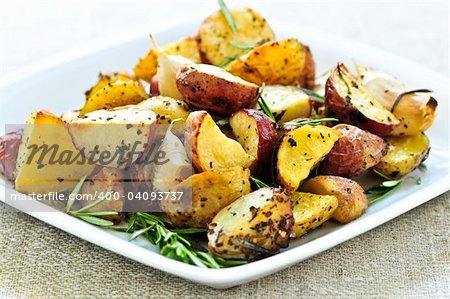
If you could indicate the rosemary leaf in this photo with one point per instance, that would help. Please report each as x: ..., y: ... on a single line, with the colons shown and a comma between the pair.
x: 383, y: 189
x: 223, y: 122
x: 228, y: 60
x: 314, y: 96
x: 258, y: 183
x: 74, y: 193
x: 187, y: 231
x: 227, y: 14
x: 265, y: 108
x: 242, y: 46
x: 311, y: 122
x: 96, y: 221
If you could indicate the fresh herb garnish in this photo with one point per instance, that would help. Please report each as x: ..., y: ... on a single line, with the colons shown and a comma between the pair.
x: 383, y: 189
x: 314, y: 96
x: 265, y: 108
x: 223, y: 122
x: 259, y: 184
x: 227, y: 14
x: 422, y: 166
x: 242, y: 46
x: 311, y: 122
x: 228, y: 60
x: 419, y: 181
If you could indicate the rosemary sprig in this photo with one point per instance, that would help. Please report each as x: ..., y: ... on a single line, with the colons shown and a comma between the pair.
x: 259, y: 184
x: 223, y: 122
x: 311, y: 122
x: 228, y: 60
x: 383, y: 189
x: 227, y: 14
x: 265, y: 108
x: 242, y: 46
x: 314, y: 96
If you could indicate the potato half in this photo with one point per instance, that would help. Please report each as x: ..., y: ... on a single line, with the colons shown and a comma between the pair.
x: 310, y: 211
x: 167, y: 109
x: 299, y: 151
x: 404, y: 155
x: 276, y: 62
x: 209, y: 147
x: 209, y: 191
x: 216, y: 38
x: 352, y: 200
x: 256, y: 225
x: 353, y: 104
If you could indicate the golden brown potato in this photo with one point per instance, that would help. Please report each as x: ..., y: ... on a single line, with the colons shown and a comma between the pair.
x: 146, y: 67
x: 166, y: 109
x: 205, y: 194
x: 299, y: 151
x: 286, y: 102
x: 310, y: 211
x: 209, y: 147
x: 354, y: 153
x: 109, y: 184
x: 45, y: 139
x: 256, y: 225
x: 217, y: 40
x: 353, y: 104
x: 105, y: 79
x: 278, y: 62
x: 352, y: 200
x: 116, y: 94
x: 404, y: 155
x: 211, y: 88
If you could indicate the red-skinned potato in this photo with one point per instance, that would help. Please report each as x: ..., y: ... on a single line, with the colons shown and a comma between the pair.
x: 9, y: 147
x: 257, y: 135
x: 354, y: 153
x: 154, y: 87
x: 353, y: 104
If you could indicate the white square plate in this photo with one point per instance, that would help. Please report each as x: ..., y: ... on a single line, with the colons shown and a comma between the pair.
x: 58, y: 85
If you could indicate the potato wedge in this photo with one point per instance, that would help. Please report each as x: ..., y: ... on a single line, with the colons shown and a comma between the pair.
x: 209, y: 191
x: 107, y: 180
x: 70, y: 115
x: 255, y: 225
x: 277, y: 62
x: 354, y: 153
x: 310, y: 211
x: 166, y: 109
x: 113, y: 138
x: 9, y: 148
x: 211, y: 88
x: 286, y: 102
x: 257, y: 134
x: 299, y: 151
x: 217, y: 40
x: 119, y: 93
x: 209, y: 147
x: 47, y: 160
x: 105, y: 79
x: 404, y: 155
x: 352, y: 200
x: 353, y: 104
x: 186, y: 47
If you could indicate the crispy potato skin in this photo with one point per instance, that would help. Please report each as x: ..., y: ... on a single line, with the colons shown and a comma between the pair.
x: 310, y: 211
x: 154, y: 87
x: 404, y: 155
x: 9, y: 148
x: 215, y: 35
x: 284, y: 62
x: 357, y: 107
x: 263, y: 217
x: 209, y: 192
x: 108, y: 179
x: 213, y: 89
x: 352, y: 200
x: 354, y: 153
x: 257, y: 135
x: 209, y: 148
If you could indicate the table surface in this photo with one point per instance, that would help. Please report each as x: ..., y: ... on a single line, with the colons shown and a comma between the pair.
x: 406, y: 257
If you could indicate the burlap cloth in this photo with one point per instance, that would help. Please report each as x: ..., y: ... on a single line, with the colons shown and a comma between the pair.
x: 408, y: 256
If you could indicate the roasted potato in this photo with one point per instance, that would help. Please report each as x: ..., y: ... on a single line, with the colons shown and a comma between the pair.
x: 116, y: 94
x: 404, y: 155
x: 253, y: 226
x: 166, y: 109
x: 120, y: 132
x: 105, y: 79
x: 209, y: 147
x: 353, y: 104
x: 257, y: 134
x: 278, y: 62
x: 70, y: 115
x: 286, y: 102
x: 354, y: 153
x: 211, y: 88
x: 352, y: 199
x: 9, y: 148
x: 107, y: 180
x: 299, y: 151
x: 310, y: 211
x: 186, y: 47
x: 208, y: 193
x: 45, y: 141
x: 414, y: 109
x: 217, y: 41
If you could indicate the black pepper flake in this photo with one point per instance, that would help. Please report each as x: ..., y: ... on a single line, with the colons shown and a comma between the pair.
x: 292, y: 142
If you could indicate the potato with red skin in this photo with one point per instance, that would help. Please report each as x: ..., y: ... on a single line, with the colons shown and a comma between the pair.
x: 353, y: 201
x: 354, y: 153
x: 353, y: 104
x: 211, y: 88
x: 9, y: 148
x: 154, y: 87
x: 257, y: 135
